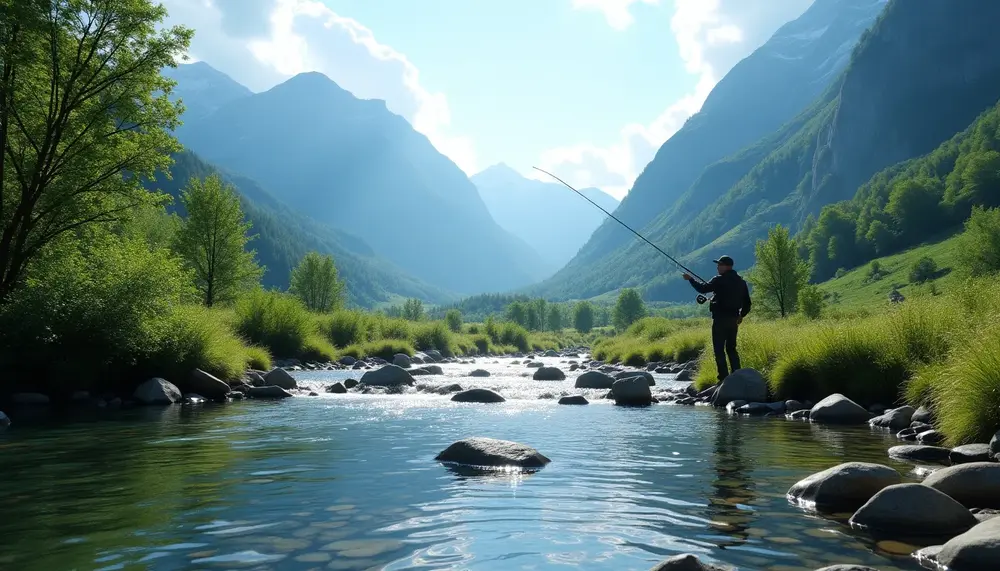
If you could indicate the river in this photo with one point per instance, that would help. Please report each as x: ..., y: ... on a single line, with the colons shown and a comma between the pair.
x: 350, y: 482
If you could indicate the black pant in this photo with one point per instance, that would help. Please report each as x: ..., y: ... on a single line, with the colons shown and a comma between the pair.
x: 724, y: 331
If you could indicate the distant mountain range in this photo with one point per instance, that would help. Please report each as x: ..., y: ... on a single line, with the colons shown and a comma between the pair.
x: 548, y: 216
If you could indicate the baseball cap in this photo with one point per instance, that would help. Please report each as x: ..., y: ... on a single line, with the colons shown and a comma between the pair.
x: 725, y: 261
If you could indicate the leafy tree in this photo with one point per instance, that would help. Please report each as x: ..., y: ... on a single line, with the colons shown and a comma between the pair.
x: 533, y: 318
x: 979, y: 245
x: 82, y: 101
x: 923, y: 270
x: 875, y: 272
x: 413, y: 309
x: 779, y: 273
x: 981, y: 178
x: 554, y: 320
x: 629, y: 308
x: 583, y: 316
x: 212, y: 241
x: 914, y: 204
x: 454, y: 320
x: 315, y: 282
x: 518, y: 313
x: 811, y: 301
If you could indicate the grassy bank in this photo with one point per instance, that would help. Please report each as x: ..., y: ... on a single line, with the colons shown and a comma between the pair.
x: 942, y: 351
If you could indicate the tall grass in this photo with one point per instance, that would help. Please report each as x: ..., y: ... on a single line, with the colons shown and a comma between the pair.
x: 654, y: 339
x: 280, y: 322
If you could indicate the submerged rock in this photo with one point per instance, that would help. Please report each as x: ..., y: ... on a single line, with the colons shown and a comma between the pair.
x: 689, y: 562
x: 157, y: 391
x: 975, y: 550
x: 481, y: 451
x: 908, y: 510
x: 387, y: 376
x: 844, y: 487
x: 279, y: 377
x: 838, y: 409
x: 794, y: 406
x: 743, y: 384
x: 207, y: 384
x: 268, y: 392
x: 975, y: 485
x: 337, y: 388
x: 633, y: 391
x: 895, y: 419
x: 919, y: 453
x: 351, y: 383
x: 479, y: 373
x: 594, y: 380
x: 484, y: 396
x: 970, y: 453
x: 549, y: 374
x: 574, y: 399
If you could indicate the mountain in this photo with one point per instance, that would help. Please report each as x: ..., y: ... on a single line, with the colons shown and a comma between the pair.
x: 353, y: 164
x: 761, y: 93
x: 203, y: 88
x: 548, y: 216
x: 285, y: 236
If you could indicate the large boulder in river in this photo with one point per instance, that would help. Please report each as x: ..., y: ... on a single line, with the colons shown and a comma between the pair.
x: 433, y: 369
x: 845, y: 487
x: 975, y: 550
x: 630, y: 374
x: 594, y: 380
x: 337, y: 388
x: 484, y: 396
x: 549, y: 374
x: 632, y: 392
x: 207, y: 385
x: 157, y: 391
x: 268, y: 392
x: 920, y: 453
x: 895, y: 419
x: 491, y: 452
x: 401, y: 360
x: 838, y: 409
x: 909, y: 510
x: 688, y: 562
x: 279, y: 377
x: 742, y: 384
x: 387, y: 376
x: 433, y: 355
x: 976, y: 485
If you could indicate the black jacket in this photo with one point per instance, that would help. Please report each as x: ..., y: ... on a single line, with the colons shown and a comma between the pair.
x: 732, y: 295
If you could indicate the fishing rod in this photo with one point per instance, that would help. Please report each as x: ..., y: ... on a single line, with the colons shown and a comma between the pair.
x: 700, y: 298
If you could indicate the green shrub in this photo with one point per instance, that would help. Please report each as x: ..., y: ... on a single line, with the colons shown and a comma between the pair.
x: 343, y: 328
x: 386, y: 349
x: 966, y: 395
x: 258, y: 358
x: 202, y: 338
x: 923, y: 270
x: 432, y: 335
x: 453, y: 318
x: 274, y: 320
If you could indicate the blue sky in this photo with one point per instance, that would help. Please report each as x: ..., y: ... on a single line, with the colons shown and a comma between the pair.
x: 589, y: 88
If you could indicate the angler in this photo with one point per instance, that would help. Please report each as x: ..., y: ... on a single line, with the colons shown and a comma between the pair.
x: 730, y: 304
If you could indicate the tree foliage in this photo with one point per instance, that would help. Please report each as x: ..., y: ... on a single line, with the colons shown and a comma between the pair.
x: 628, y: 309
x: 84, y: 116
x: 554, y: 320
x: 314, y: 281
x: 779, y: 273
x: 413, y: 310
x: 811, y: 302
x: 923, y: 270
x: 212, y: 241
x: 979, y: 247
x: 453, y: 318
x: 583, y: 316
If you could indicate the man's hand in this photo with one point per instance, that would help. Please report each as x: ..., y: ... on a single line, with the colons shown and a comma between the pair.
x: 687, y: 277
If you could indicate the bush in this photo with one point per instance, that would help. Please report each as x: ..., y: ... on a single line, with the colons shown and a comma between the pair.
x: 966, y: 395
x: 454, y: 320
x: 433, y: 335
x: 202, y: 338
x: 978, y: 249
x: 274, y: 320
x: 923, y: 270
x: 811, y: 301
x: 343, y: 328
x: 384, y: 349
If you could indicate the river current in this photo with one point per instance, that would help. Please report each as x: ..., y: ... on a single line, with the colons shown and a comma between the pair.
x: 350, y: 482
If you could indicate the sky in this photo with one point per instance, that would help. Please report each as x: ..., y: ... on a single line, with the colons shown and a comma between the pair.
x: 587, y: 89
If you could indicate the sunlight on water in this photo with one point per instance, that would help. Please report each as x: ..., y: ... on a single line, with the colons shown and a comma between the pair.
x: 350, y: 482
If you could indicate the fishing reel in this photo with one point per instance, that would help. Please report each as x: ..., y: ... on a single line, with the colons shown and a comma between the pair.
x: 701, y: 299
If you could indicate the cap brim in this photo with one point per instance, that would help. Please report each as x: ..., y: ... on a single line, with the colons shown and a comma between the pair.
x: 715, y: 261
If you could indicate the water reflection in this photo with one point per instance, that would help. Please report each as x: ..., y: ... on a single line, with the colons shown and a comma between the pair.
x: 731, y: 501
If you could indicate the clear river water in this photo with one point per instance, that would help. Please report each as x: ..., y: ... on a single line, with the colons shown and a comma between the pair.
x: 350, y: 482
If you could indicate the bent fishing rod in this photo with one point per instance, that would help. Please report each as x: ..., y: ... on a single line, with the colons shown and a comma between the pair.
x: 700, y: 299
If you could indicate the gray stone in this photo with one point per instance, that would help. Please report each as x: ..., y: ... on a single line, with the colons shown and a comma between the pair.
x: 976, y: 485
x: 347, y: 361
x: 684, y: 376
x: 907, y: 510
x: 492, y: 452
x: 279, y: 377
x: 534, y: 365
x: 337, y: 388
x: 434, y: 355
x: 387, y: 376
x: 923, y: 415
x: 351, y: 383
x: 419, y: 372
x: 268, y: 392
x: 484, y: 396
x: 970, y: 453
x: 844, y: 487
x: 4, y: 420
x: 742, y: 384
x: 895, y: 419
x: 479, y: 373
x: 838, y: 409
x: 433, y: 369
x: 207, y: 384
x: 794, y: 406
x: 995, y: 446
x: 551, y: 353
x: 549, y: 374
x: 734, y: 405
x: 194, y: 398
x: 594, y: 380
x: 630, y: 374
x: 574, y: 399
x: 689, y: 562
x: 978, y: 549
x: 920, y: 453
x: 29, y: 399
x: 632, y: 392
x: 157, y: 391
x: 401, y: 360
x: 930, y: 437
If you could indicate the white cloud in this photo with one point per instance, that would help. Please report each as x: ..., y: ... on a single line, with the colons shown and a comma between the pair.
x: 263, y: 42
x: 617, y: 12
x: 712, y: 36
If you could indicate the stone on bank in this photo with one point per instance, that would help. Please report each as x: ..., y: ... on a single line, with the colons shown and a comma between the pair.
x: 689, y: 562
x: 975, y: 485
x: 838, y: 409
x: 279, y: 377
x: 491, y: 452
x: 207, y: 384
x: 908, y: 510
x: 743, y: 384
x: 157, y: 391
x: 975, y: 550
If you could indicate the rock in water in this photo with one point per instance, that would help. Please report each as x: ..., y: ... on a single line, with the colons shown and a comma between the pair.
x: 484, y: 396
x: 845, y: 487
x: 743, y: 384
x: 838, y: 409
x: 482, y: 373
x: 208, y: 385
x: 387, y: 376
x: 4, y: 420
x: 574, y: 399
x: 896, y: 419
x: 337, y: 388
x: 632, y: 392
x: 347, y: 361
x: 551, y: 353
x: 923, y: 415
x: 549, y: 374
x: 847, y: 567
x: 594, y: 380
x: 975, y: 550
x: 970, y: 453
x: 401, y: 360
x: 433, y: 369
x: 975, y: 485
x: 918, y: 453
x: 434, y: 355
x: 630, y: 374
x: 688, y: 562
x: 157, y: 391
x: 279, y: 377
x: 351, y: 383
x: 268, y: 392
x: 492, y: 452
x: 913, y: 510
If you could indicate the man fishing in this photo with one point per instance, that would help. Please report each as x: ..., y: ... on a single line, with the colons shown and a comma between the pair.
x: 729, y: 305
